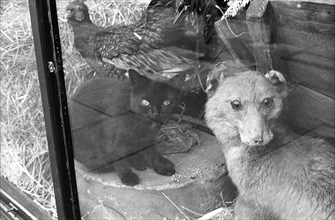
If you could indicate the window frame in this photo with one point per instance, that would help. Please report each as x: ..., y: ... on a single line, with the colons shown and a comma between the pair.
x: 15, y: 205
x: 44, y: 22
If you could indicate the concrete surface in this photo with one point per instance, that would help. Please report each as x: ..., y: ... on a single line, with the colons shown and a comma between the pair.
x: 200, y: 185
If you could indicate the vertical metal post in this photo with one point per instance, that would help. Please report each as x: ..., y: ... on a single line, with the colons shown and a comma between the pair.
x: 44, y: 23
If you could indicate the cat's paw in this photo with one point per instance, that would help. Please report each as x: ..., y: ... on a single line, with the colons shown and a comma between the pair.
x: 137, y: 162
x: 164, y: 167
x: 140, y: 167
x: 130, y: 179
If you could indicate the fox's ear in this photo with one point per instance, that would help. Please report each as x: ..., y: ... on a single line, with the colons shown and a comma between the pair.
x: 214, y: 77
x: 277, y: 79
x: 211, y: 86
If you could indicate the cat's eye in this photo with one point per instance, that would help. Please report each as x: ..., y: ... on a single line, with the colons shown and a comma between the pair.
x: 166, y: 102
x: 267, y: 102
x: 145, y: 102
x: 236, y: 105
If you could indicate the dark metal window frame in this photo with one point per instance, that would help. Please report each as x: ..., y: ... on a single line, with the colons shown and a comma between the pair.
x: 48, y: 52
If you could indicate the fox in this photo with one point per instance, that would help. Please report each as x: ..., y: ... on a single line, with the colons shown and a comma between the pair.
x: 294, y: 180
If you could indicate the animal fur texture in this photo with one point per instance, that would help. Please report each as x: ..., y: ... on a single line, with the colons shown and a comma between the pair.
x: 115, y: 122
x: 295, y: 180
x: 111, y: 51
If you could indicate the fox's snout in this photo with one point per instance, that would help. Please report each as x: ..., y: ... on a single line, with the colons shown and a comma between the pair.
x: 256, y: 137
x: 255, y: 130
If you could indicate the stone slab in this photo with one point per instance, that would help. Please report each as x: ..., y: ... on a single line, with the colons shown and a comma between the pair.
x: 200, y: 185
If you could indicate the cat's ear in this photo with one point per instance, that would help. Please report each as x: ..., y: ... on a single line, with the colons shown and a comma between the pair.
x: 137, y: 80
x: 178, y: 80
x: 277, y: 79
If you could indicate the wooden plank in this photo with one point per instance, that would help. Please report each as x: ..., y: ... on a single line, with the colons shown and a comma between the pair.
x: 306, y: 46
x: 308, y: 63
x: 328, y: 2
x: 223, y: 32
x: 236, y: 36
x: 235, y: 44
x: 312, y: 76
x: 313, y: 104
x: 258, y: 20
x: 305, y: 16
x: 298, y: 42
x: 299, y: 122
x: 300, y: 34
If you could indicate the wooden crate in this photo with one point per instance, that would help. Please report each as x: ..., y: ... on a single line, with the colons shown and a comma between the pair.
x: 297, y: 38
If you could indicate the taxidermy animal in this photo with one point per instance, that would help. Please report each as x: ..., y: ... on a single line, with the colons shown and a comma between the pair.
x: 115, y: 122
x: 295, y: 180
x: 114, y: 50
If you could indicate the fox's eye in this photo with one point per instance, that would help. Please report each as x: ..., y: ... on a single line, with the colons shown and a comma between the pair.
x: 236, y: 105
x: 267, y: 102
x: 166, y: 102
x: 145, y: 102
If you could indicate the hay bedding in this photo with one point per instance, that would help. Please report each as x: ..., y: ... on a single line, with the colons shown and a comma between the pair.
x: 24, y: 153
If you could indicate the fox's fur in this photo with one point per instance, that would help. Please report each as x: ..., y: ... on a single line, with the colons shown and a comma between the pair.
x: 275, y: 181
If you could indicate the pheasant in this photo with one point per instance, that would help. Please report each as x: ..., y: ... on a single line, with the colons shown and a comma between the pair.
x: 141, y: 46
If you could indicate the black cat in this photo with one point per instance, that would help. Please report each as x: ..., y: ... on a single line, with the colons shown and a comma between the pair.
x: 115, y: 123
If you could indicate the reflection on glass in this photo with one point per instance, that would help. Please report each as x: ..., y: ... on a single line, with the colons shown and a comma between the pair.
x: 138, y: 77
x: 127, y: 115
x: 151, y: 78
x: 115, y: 124
x: 24, y: 151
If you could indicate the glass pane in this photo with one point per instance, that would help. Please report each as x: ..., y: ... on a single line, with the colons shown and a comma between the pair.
x: 139, y: 74
x: 24, y: 151
x: 138, y: 154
